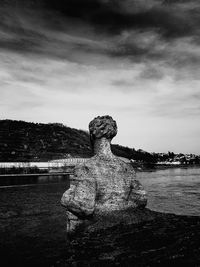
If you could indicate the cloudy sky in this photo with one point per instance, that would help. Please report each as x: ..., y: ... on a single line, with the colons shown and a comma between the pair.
x: 137, y: 60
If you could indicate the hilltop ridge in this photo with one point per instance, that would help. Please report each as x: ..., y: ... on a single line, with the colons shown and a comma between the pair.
x: 28, y: 141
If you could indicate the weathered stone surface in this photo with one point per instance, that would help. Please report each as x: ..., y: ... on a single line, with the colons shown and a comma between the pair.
x: 104, y: 183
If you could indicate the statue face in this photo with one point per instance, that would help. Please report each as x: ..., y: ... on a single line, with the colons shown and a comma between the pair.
x: 103, y: 126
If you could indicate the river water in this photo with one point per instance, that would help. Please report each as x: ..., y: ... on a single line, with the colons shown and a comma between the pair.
x: 175, y: 190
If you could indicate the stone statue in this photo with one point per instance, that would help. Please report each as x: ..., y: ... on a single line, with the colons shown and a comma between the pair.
x: 104, y: 183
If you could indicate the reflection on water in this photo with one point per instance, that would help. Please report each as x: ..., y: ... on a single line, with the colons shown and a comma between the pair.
x: 31, y: 180
x: 175, y: 190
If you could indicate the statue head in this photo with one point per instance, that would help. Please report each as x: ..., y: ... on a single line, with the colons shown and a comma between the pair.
x: 103, y: 126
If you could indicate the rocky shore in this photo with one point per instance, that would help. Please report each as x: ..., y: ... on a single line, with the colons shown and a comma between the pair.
x: 32, y: 234
x: 143, y: 238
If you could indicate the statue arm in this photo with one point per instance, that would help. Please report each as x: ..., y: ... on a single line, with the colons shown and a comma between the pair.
x: 137, y: 194
x: 79, y: 199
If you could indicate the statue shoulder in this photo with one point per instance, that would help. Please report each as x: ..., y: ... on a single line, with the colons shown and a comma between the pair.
x: 126, y: 167
x: 83, y: 170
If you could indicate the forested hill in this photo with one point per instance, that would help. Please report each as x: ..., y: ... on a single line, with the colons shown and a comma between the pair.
x: 25, y: 141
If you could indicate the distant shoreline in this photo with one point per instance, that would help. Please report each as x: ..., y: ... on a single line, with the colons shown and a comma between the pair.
x: 166, y: 166
x: 44, y: 167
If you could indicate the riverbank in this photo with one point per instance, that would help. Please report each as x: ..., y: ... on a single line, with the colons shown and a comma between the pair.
x: 32, y: 233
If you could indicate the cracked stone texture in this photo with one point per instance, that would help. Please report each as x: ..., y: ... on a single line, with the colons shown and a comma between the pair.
x: 104, y: 183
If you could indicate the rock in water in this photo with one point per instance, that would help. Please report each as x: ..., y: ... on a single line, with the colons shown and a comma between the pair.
x: 104, y: 184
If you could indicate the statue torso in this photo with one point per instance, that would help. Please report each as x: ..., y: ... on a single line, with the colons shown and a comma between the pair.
x: 114, y: 182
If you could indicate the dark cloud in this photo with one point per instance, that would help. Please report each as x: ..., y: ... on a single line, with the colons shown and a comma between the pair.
x: 141, y: 30
x: 171, y: 18
x: 122, y: 83
x: 152, y: 73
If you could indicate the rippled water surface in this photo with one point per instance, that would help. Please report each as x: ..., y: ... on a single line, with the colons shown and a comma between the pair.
x: 175, y: 190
